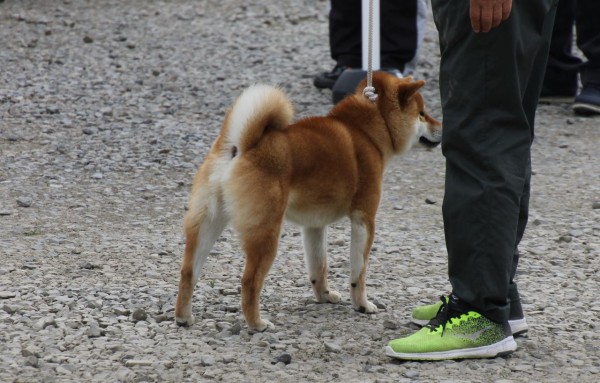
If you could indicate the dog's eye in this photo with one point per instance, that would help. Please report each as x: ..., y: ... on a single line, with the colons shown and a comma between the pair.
x: 422, y: 116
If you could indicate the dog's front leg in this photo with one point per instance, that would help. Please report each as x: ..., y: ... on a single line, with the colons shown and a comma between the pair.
x: 362, y: 238
x: 315, y: 251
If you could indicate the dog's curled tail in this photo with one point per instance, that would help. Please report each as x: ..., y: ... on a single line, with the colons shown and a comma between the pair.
x: 258, y: 109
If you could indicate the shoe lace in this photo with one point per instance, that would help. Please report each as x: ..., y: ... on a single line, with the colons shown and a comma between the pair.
x: 443, y: 316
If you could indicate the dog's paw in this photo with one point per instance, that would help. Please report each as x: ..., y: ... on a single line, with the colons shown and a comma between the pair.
x: 184, y: 322
x: 333, y: 297
x: 367, y: 308
x: 261, y: 326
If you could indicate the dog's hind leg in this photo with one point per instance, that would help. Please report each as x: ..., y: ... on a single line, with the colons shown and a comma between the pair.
x: 261, y: 249
x: 204, y: 223
x: 315, y: 251
x: 362, y: 238
x: 257, y: 202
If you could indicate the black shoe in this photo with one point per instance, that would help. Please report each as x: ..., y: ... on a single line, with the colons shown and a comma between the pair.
x: 588, y: 101
x: 326, y: 80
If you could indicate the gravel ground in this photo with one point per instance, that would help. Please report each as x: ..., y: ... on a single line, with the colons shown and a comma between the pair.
x: 107, y: 108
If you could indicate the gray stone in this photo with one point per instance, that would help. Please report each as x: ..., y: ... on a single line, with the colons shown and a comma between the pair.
x: 235, y: 328
x: 93, y: 331
x: 390, y: 324
x: 565, y: 238
x: 284, y: 358
x: 138, y: 362
x: 9, y: 309
x: 42, y: 323
x: 119, y: 310
x: 7, y: 294
x: 332, y: 347
x: 208, y: 360
x: 24, y: 201
x: 31, y: 361
x: 62, y: 370
x: 31, y: 351
x: 139, y: 314
x: 412, y: 374
x: 52, y: 109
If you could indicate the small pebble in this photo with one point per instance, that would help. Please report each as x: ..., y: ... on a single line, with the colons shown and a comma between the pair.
x: 24, y: 201
x: 7, y: 294
x: 139, y: 314
x: 430, y: 201
x: 283, y: 358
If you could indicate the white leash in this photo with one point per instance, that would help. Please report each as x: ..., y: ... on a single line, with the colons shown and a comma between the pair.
x: 369, y: 91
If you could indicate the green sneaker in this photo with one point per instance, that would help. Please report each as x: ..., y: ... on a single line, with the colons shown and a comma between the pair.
x: 455, y: 334
x: 423, y: 314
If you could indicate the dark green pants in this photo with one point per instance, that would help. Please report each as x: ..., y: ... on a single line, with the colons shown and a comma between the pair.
x: 490, y: 84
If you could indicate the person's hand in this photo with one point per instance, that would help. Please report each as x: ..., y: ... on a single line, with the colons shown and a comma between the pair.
x: 488, y: 14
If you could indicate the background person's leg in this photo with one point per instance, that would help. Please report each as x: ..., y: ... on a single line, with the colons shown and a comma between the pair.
x: 345, y: 37
x: 588, y: 40
x: 563, y: 67
x: 587, y: 22
x: 399, y: 33
x: 345, y: 41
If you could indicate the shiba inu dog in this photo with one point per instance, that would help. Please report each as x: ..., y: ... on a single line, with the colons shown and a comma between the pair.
x: 263, y: 169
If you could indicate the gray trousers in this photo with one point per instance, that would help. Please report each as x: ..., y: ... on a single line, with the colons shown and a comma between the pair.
x: 490, y: 85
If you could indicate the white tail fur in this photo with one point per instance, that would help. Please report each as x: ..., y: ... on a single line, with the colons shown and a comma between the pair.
x: 258, y: 108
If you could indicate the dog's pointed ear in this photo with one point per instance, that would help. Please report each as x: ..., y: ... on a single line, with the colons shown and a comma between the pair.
x: 407, y: 90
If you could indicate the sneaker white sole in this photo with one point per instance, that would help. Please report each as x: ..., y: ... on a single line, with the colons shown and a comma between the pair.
x: 504, y: 347
x: 556, y: 100
x: 517, y: 326
x: 587, y: 109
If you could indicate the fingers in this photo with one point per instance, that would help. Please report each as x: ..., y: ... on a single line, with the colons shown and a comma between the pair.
x: 488, y: 14
x: 475, y: 14
x: 496, y: 16
x: 506, y: 8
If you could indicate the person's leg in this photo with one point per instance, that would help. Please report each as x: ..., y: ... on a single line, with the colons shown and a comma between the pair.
x: 588, y: 40
x: 345, y: 37
x: 489, y: 88
x: 399, y: 33
x: 489, y: 85
x: 530, y: 100
x: 345, y: 41
x: 422, y: 16
x: 563, y: 67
